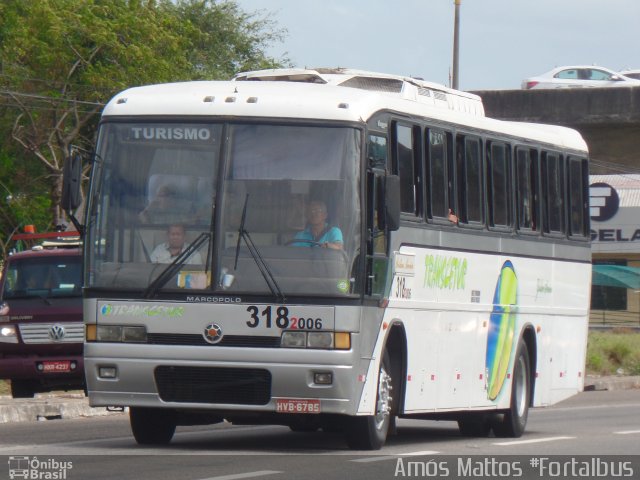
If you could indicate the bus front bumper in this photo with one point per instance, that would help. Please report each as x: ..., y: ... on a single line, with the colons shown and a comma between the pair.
x: 227, y: 380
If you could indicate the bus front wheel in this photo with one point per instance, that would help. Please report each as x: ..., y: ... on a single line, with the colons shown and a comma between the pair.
x: 152, y: 426
x: 513, y: 422
x: 370, y: 432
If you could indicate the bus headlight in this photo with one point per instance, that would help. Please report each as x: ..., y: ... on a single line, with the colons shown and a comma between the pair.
x: 319, y: 340
x: 294, y: 339
x: 121, y: 333
x: 8, y: 334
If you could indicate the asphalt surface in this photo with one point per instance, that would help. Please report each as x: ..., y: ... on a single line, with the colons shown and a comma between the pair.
x: 64, y: 405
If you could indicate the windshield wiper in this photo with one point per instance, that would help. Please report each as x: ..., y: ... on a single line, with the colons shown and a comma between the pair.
x: 257, y: 257
x: 174, y: 266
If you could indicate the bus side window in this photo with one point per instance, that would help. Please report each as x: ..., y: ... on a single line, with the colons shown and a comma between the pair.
x: 377, y: 158
x: 438, y: 181
x: 407, y: 166
x: 527, y: 182
x: 377, y: 152
x: 578, y: 195
x: 498, y: 185
x: 469, y: 179
x: 553, y: 192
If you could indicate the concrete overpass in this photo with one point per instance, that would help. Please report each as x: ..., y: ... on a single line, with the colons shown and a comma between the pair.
x: 607, y: 118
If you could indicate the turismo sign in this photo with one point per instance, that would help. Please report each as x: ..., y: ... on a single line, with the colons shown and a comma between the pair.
x: 174, y: 133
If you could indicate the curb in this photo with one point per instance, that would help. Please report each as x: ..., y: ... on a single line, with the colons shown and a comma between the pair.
x: 50, y: 407
x: 611, y: 383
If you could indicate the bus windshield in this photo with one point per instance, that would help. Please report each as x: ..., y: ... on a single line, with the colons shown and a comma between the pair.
x: 268, y: 204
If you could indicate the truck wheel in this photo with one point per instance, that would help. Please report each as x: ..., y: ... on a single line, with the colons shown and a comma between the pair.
x: 22, y: 389
x: 513, y: 422
x: 370, y: 432
x: 152, y: 426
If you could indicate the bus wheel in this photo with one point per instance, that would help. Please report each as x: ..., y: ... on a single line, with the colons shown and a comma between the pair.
x: 152, y: 426
x: 513, y: 422
x: 475, y: 425
x: 370, y: 432
x: 22, y: 389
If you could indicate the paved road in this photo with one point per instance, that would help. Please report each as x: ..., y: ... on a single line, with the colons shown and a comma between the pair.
x: 592, y: 423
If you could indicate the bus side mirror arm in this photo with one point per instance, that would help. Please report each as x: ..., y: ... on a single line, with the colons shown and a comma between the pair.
x: 71, y: 187
x: 392, y: 202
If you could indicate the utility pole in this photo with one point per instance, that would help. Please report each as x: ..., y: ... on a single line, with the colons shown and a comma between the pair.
x: 456, y: 44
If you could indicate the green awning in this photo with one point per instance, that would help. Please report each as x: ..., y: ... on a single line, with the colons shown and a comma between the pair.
x: 616, y: 276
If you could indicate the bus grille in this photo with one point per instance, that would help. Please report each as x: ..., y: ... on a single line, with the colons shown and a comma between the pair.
x: 34, y: 333
x: 237, y: 386
x: 227, y: 340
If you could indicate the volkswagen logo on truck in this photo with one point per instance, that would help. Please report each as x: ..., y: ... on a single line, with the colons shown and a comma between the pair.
x: 56, y: 333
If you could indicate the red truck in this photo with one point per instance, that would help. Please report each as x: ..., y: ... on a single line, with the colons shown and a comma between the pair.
x: 41, y: 327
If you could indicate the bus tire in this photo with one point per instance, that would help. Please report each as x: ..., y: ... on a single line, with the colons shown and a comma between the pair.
x: 513, y: 422
x: 152, y: 426
x: 370, y: 432
x: 22, y: 389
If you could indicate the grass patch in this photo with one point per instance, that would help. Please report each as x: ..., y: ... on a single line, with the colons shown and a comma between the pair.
x: 5, y: 389
x: 614, y: 352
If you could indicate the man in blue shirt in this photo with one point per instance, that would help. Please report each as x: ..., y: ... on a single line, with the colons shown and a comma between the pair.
x: 318, y: 232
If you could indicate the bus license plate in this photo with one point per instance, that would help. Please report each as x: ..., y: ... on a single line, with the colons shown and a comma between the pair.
x: 56, y: 367
x: 293, y: 405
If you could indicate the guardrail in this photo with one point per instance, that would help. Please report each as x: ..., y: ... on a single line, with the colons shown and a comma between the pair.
x: 614, y: 318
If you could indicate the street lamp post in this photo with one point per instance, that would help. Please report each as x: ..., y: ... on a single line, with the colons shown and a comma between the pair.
x: 456, y: 44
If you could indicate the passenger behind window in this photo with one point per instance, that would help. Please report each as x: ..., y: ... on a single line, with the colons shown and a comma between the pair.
x: 166, y: 207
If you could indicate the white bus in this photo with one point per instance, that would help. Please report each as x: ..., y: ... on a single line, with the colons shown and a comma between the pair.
x: 359, y: 248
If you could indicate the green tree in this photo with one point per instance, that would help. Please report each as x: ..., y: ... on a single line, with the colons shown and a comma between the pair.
x: 225, y: 40
x: 61, y: 61
x: 19, y: 205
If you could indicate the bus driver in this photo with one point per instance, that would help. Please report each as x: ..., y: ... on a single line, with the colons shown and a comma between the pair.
x: 318, y: 232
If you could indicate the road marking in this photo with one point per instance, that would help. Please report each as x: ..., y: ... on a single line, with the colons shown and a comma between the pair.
x: 237, y: 476
x: 535, y: 440
x: 374, y: 459
x: 627, y: 432
x: 412, y: 454
x: 394, y: 457
x: 17, y: 447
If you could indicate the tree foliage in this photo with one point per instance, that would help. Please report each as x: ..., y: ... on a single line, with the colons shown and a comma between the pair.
x: 61, y: 61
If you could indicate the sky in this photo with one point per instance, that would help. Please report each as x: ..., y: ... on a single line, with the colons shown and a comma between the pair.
x: 502, y: 42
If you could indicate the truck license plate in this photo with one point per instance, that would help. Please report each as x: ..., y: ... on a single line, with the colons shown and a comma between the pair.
x: 294, y: 405
x: 56, y: 367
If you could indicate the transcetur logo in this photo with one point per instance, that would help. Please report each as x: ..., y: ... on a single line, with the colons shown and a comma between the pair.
x: 141, y: 311
x: 33, y: 468
x: 603, y: 202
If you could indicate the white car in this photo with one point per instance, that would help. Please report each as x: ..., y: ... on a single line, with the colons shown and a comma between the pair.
x: 579, y: 76
x: 635, y: 74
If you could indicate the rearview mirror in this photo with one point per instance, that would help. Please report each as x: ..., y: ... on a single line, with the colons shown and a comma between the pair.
x: 72, y: 181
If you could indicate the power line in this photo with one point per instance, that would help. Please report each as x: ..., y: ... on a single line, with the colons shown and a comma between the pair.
x: 51, y: 82
x: 40, y: 108
x: 9, y: 93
